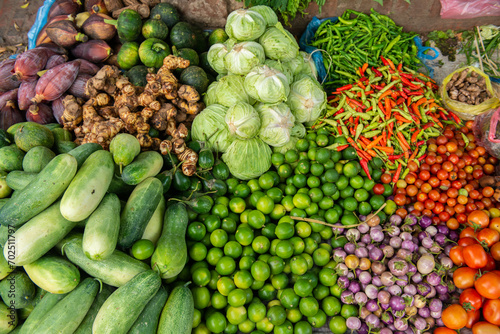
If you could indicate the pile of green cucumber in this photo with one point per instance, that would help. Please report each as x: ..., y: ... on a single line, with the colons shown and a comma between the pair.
x: 70, y: 216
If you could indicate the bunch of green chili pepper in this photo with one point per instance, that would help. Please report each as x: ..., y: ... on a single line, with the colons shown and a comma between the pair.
x: 357, y: 38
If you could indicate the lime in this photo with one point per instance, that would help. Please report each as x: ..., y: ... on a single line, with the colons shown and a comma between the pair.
x: 196, y: 231
x: 338, y: 325
x: 323, y: 155
x: 301, y: 201
x: 237, y: 298
x: 298, y: 245
x: 331, y: 306
x: 246, y: 326
x: 302, y: 145
x: 279, y: 281
x: 321, y: 257
x: 265, y: 204
x: 291, y: 156
x: 256, y: 311
x: 364, y: 208
x: 303, y: 288
x: 237, y: 205
x: 284, y: 249
x: 198, y: 251
x: 261, y: 244
x: 212, y: 222
x: 361, y: 195
x: 285, y: 328
x: 293, y: 314
x: 276, y: 315
x: 328, y: 277
x: 233, y: 249
x: 242, y: 190
x: 277, y: 159
x: 266, y: 181
x: 225, y: 266
x: 260, y: 270
x: 216, y: 322
x: 235, y: 316
x: 267, y: 292
x: 243, y: 279
x: 349, y: 219
x: 349, y: 311
x: 376, y: 201
x: 320, y: 292
x: 303, y: 167
x: 350, y: 204
x: 331, y: 175
x: 254, y: 198
x: 318, y: 320
x: 201, y: 276
x: 218, y: 238
x: 298, y: 265
x: 143, y: 249
x: 229, y: 225
x: 349, y: 153
x: 218, y: 300
x: 284, y: 231
x: 225, y: 285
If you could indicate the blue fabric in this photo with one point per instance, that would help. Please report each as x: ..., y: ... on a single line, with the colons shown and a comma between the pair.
x: 41, y: 20
x: 307, y: 38
x: 423, y: 56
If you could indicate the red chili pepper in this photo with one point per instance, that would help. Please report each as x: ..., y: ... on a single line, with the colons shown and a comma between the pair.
x: 343, y: 88
x: 422, y: 157
x: 455, y: 117
x: 420, y: 143
x: 398, y: 173
x: 407, y: 75
x: 364, y: 165
x: 342, y: 147
x: 377, y: 72
x: 443, y: 116
x: 414, y: 93
x: 341, y: 110
x: 394, y: 157
x: 427, y: 125
x: 377, y: 87
x: 357, y: 103
x: 363, y: 79
x: 356, y: 122
x: 403, y: 94
x: 384, y: 61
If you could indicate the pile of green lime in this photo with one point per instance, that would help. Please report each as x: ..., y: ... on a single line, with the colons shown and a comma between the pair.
x: 254, y: 268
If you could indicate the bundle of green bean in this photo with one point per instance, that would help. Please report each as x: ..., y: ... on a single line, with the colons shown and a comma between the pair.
x: 358, y: 38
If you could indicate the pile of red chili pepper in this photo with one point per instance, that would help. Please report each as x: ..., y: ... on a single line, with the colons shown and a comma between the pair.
x: 388, y: 113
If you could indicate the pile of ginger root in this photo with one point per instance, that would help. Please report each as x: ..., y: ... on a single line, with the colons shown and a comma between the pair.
x: 115, y: 106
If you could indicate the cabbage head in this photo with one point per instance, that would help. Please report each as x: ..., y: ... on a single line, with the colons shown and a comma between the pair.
x: 243, y: 57
x: 287, y: 147
x: 243, y: 121
x: 307, y: 99
x: 298, y: 130
x: 277, y: 121
x: 281, y: 67
x: 215, y: 57
x: 248, y: 159
x: 266, y: 84
x: 309, y: 66
x: 245, y: 25
x: 230, y: 90
x: 279, y: 44
x: 295, y: 65
x: 209, y: 126
x: 209, y: 96
x: 267, y: 13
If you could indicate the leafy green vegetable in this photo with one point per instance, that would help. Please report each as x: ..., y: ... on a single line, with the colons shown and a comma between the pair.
x: 248, y: 159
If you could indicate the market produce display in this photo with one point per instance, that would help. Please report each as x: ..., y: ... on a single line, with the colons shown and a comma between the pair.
x: 206, y: 182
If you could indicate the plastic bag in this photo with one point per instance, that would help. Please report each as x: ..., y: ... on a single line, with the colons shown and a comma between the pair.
x: 487, y: 131
x: 425, y: 58
x: 463, y: 110
x: 41, y: 20
x: 307, y: 38
x: 467, y: 9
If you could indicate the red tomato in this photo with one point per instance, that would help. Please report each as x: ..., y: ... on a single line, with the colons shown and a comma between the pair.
x: 491, y: 311
x: 495, y: 251
x: 490, y: 263
x: 444, y: 330
x: 488, y: 286
x: 489, y: 236
x: 467, y: 241
x: 464, y: 277
x: 472, y: 317
x: 470, y: 299
x: 475, y: 256
x: 484, y: 327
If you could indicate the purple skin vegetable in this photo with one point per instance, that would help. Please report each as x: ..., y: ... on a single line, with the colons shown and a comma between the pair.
x: 431, y: 322
x: 361, y: 252
x: 439, y: 321
x: 354, y: 287
x: 395, y: 242
x: 395, y: 290
x: 417, y: 278
x: 386, y: 330
x: 341, y: 269
x: 347, y: 297
x: 446, y: 262
x: 398, y: 266
x: 350, y: 275
x: 433, y: 278
x: 343, y: 282
x: 371, y: 305
x: 384, y: 306
x: 377, y: 235
x: 424, y: 312
x: 425, y: 221
x: 442, y: 228
x: 410, y: 289
x: 363, y: 329
x: 436, y: 314
x: 387, y: 278
x: 387, y: 318
x: 404, y: 254
x: 453, y: 235
x: 427, y: 242
x: 432, y: 230
x: 384, y: 296
x: 431, y: 294
x: 363, y: 228
x: 397, y: 303
x: 393, y: 230
x: 440, y: 238
x: 388, y: 251
x: 411, y: 220
x: 370, y: 246
x: 401, y: 324
x: 354, y: 323
x: 349, y: 248
x: 423, y: 289
x: 353, y: 235
x: 361, y: 298
x: 377, y: 281
x: 367, y: 239
x: 435, y: 305
x: 371, y: 291
x: 339, y: 255
x: 402, y: 281
x: 376, y: 254
x: 395, y: 219
x: 372, y: 321
x: 444, y: 297
x: 363, y: 312
x: 408, y: 299
x: 378, y: 267
x: 405, y: 236
x: 365, y: 277
x: 420, y: 323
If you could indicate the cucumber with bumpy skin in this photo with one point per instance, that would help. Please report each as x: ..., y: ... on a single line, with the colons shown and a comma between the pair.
x: 82, y: 152
x: 124, y: 147
x: 155, y: 224
x: 88, y: 187
x: 138, y: 211
x: 116, y: 270
x: 86, y: 325
x: 123, y: 307
x: 40, y: 193
x: 67, y: 314
x: 37, y: 158
x: 177, y: 315
x: 40, y: 310
x: 101, y: 230
x: 18, y: 179
x: 147, y: 322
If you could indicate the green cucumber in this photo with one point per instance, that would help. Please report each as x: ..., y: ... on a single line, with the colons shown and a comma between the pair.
x: 5, y: 267
x: 64, y: 146
x: 40, y: 193
x: 37, y: 158
x: 54, y: 274
x: 82, y: 152
x: 5, y: 190
x: 5, y: 232
x: 8, y: 319
x: 24, y: 313
x: 147, y: 322
x: 120, y: 188
x: 155, y: 224
x: 177, y: 315
x: 31, y: 134
x: 17, y: 290
x: 35, y: 238
x: 11, y: 158
x: 88, y: 187
x: 146, y: 164
x: 116, y: 270
x: 40, y: 310
x: 18, y: 179
x: 139, y: 209
x: 123, y: 307
x: 86, y: 325
x: 52, y: 126
x: 170, y: 254
x: 61, y: 134
x: 101, y: 230
x: 124, y: 148
x: 67, y: 314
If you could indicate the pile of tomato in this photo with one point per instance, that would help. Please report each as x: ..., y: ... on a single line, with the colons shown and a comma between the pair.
x: 477, y: 256
x: 446, y: 184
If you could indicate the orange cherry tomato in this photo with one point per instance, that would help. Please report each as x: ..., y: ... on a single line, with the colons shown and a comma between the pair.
x: 475, y: 256
x: 483, y: 327
x: 495, y: 224
x: 457, y: 255
x: 491, y: 311
x: 494, y: 251
x: 463, y: 277
x: 478, y: 219
x: 470, y: 299
x: 444, y: 330
x: 489, y: 236
x: 488, y: 286
x: 468, y: 232
x: 454, y: 317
